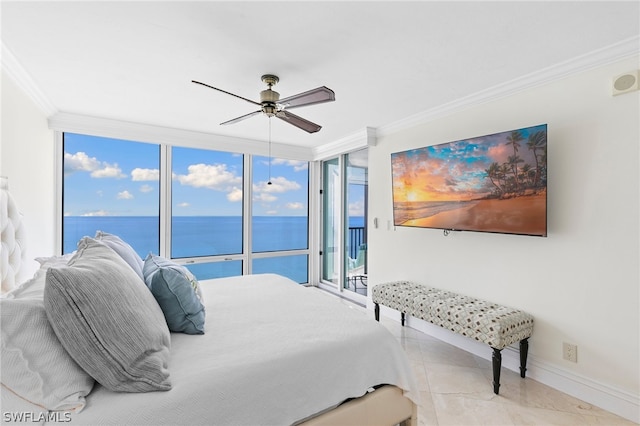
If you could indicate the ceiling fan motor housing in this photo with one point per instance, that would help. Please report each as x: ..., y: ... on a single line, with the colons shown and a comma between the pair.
x: 268, y: 97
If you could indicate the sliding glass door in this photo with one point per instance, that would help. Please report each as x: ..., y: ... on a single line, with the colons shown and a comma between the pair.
x: 331, y: 219
x: 356, y: 229
x: 344, y: 222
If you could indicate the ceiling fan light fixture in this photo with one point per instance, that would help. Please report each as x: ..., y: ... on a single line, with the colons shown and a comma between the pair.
x: 270, y: 110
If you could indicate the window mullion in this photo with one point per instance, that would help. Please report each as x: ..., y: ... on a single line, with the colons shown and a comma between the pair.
x: 247, y: 212
x: 59, y: 181
x: 315, y: 221
x: 342, y: 235
x: 165, y: 200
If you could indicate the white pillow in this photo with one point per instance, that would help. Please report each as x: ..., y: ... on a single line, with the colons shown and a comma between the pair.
x: 34, y: 287
x: 123, y: 249
x: 33, y: 364
x: 55, y: 260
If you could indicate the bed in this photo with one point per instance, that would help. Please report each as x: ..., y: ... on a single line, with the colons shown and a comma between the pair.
x: 269, y: 351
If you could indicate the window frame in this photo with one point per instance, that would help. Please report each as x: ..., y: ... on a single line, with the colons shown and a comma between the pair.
x: 165, y: 201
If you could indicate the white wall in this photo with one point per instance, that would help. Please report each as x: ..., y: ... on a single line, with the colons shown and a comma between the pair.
x: 27, y: 159
x: 581, y: 283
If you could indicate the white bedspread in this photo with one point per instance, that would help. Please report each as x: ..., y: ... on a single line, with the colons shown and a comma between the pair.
x: 273, y: 353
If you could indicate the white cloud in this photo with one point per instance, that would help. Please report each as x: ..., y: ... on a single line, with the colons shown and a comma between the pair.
x: 185, y: 204
x: 235, y: 195
x: 139, y: 174
x: 264, y: 197
x: 356, y: 208
x: 215, y: 177
x: 146, y: 188
x: 295, y: 206
x: 296, y: 164
x: 125, y: 195
x: 108, y: 171
x: 97, y: 213
x: 79, y: 162
x: 272, y: 212
x: 278, y: 185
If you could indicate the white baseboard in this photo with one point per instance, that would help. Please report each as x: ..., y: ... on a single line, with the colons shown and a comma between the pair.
x: 616, y: 401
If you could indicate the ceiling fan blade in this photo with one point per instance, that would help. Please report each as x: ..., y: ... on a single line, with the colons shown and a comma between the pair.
x: 311, y: 97
x: 299, y: 122
x: 244, y: 117
x: 228, y: 93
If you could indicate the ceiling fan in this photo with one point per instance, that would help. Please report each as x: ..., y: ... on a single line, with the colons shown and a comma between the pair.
x: 272, y: 106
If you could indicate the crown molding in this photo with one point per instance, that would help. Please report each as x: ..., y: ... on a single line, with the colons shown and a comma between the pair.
x: 604, y: 56
x: 366, y: 137
x: 353, y: 142
x: 23, y: 80
x: 67, y: 122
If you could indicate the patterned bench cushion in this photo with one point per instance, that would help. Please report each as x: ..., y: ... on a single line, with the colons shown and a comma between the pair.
x: 490, y: 323
x: 396, y: 295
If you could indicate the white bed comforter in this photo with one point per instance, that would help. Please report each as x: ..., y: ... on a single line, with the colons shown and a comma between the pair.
x: 273, y: 353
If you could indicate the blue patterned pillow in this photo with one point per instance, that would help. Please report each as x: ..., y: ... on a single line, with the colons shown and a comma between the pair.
x: 177, y: 292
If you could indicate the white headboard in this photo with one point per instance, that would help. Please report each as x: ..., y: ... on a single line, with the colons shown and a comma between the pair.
x: 12, y: 239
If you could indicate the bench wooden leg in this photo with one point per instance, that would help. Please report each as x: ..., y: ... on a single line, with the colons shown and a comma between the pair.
x: 377, y: 312
x: 497, y: 363
x: 524, y: 350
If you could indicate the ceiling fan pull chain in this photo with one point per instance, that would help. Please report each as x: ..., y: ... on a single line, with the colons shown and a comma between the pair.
x: 269, y: 182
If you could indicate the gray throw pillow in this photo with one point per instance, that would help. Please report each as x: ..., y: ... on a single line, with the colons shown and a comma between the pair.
x: 108, y: 321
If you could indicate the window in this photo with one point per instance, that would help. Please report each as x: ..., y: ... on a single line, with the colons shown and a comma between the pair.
x: 206, y: 206
x: 112, y: 186
x: 115, y: 186
x: 280, y: 217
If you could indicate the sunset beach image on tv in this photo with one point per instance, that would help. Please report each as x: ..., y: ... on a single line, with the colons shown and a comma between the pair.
x: 493, y: 183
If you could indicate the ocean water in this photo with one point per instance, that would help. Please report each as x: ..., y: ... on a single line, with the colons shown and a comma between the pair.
x: 194, y: 236
x: 408, y: 210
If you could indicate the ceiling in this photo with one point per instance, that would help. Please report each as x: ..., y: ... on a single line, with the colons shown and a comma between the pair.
x: 385, y: 60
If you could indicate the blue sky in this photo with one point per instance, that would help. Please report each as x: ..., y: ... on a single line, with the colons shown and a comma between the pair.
x: 110, y: 177
x: 455, y: 170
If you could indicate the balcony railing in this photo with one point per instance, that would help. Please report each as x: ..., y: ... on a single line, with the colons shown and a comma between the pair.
x: 356, y: 239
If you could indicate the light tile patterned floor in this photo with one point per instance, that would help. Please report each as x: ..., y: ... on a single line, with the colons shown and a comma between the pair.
x: 455, y: 389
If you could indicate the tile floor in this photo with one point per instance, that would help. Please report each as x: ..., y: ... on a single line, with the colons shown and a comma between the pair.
x: 455, y: 389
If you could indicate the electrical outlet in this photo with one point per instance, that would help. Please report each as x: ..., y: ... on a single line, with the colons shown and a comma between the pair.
x: 569, y: 352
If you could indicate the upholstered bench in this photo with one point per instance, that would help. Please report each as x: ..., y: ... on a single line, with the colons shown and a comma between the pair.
x: 497, y: 326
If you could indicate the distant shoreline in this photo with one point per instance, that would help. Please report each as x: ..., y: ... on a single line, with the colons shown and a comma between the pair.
x: 522, y: 215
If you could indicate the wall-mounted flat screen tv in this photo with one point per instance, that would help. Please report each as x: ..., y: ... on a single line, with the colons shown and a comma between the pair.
x: 493, y: 183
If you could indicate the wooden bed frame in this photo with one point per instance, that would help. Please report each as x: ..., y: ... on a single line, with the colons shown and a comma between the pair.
x: 385, y: 406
